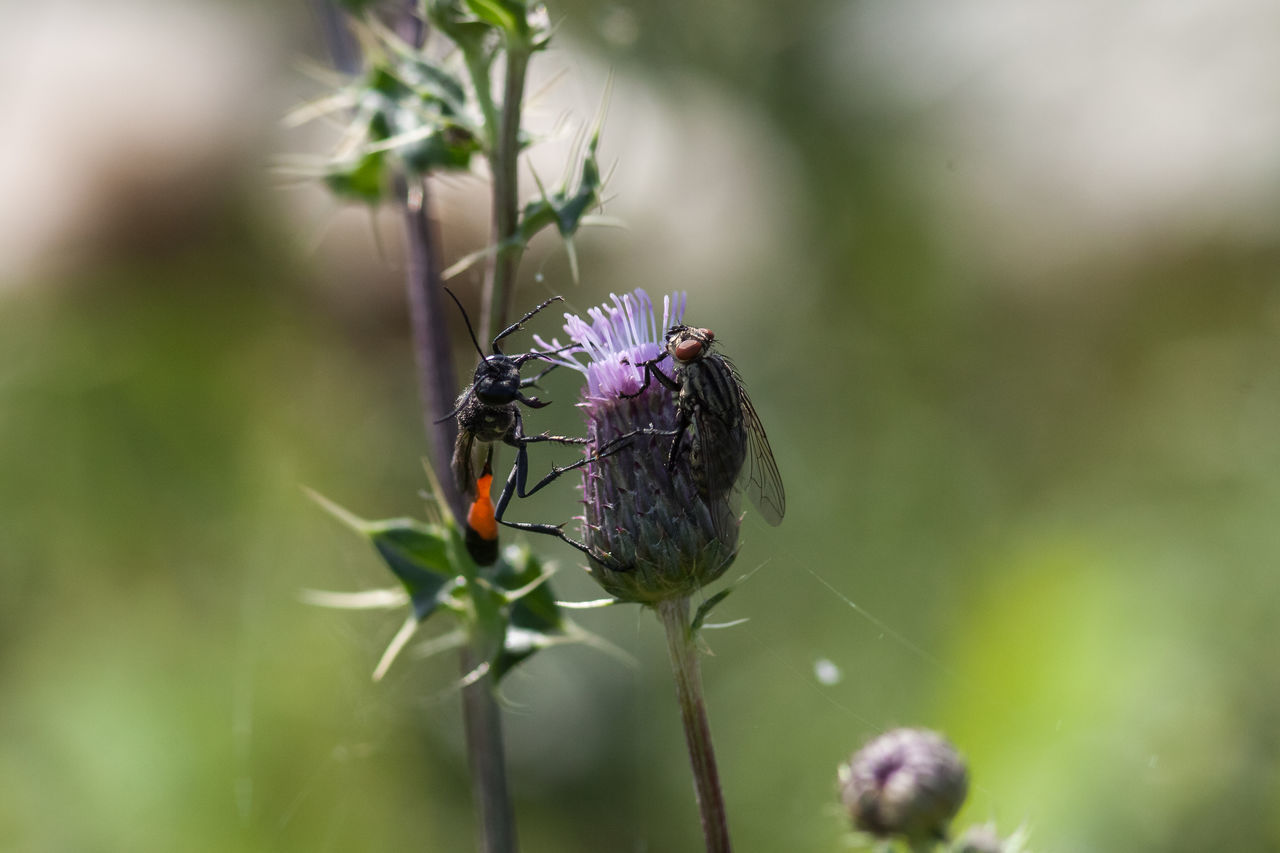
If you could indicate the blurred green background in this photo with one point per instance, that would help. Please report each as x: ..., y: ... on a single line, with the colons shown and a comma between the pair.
x: 1003, y: 282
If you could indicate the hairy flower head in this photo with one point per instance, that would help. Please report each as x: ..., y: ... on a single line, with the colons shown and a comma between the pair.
x: 906, y: 782
x: 663, y: 539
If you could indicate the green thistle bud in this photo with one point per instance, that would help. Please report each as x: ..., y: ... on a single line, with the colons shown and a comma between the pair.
x: 908, y: 783
x: 670, y: 540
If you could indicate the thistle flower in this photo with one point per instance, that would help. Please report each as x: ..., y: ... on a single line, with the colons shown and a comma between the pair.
x: 649, y: 520
x: 908, y: 783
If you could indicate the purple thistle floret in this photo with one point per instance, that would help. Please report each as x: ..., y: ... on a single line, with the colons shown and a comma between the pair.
x: 669, y: 540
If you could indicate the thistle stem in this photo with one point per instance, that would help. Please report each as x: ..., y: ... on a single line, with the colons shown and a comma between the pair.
x: 437, y: 381
x: 482, y: 721
x: 436, y: 376
x: 683, y: 651
x: 504, y: 158
x: 481, y: 718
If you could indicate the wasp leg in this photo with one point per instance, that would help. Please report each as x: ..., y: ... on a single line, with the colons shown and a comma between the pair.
x: 608, y: 449
x: 519, y: 323
x: 517, y: 484
x: 530, y: 356
x: 532, y: 381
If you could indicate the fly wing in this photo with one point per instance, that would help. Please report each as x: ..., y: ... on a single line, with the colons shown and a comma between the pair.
x: 759, y: 478
x: 719, y: 444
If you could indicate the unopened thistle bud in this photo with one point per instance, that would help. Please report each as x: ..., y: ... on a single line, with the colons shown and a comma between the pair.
x: 662, y: 538
x: 908, y: 783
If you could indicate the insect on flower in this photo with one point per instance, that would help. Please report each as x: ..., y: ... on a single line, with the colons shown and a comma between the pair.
x: 728, y: 445
x: 487, y: 412
x: 648, y: 515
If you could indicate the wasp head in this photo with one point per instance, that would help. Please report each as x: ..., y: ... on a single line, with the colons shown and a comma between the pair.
x: 686, y: 343
x: 497, y: 380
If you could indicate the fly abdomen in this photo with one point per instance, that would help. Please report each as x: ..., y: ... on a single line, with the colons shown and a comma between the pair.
x: 719, y: 445
x: 716, y: 457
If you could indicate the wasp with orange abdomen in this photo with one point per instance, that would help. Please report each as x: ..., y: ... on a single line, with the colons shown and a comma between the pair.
x: 487, y: 412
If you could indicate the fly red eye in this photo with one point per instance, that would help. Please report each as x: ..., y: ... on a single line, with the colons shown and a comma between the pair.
x: 708, y: 334
x: 688, y: 350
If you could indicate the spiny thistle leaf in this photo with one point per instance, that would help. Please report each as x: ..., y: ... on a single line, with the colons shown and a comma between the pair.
x: 408, y: 115
x: 412, y: 100
x: 566, y: 207
x: 417, y: 555
x: 509, y: 16
x: 466, y: 31
x: 534, y: 619
x: 432, y: 81
x: 362, y: 179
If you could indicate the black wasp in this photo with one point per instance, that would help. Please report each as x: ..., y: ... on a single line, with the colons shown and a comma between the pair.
x: 487, y: 412
x: 728, y: 444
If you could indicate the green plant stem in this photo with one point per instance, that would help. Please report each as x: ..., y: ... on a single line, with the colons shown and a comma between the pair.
x: 481, y: 717
x: 504, y: 159
x: 482, y: 722
x: 683, y: 651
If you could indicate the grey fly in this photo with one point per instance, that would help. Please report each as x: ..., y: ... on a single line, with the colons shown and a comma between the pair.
x: 727, y: 446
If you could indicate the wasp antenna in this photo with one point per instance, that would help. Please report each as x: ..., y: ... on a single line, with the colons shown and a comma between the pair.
x: 467, y: 320
x: 456, y: 409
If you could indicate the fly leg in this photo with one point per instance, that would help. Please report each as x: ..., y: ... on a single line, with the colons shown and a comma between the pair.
x: 682, y: 426
x: 650, y: 371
